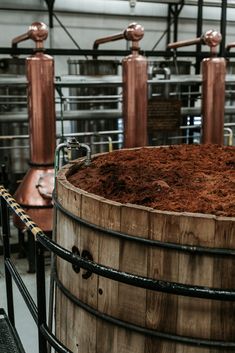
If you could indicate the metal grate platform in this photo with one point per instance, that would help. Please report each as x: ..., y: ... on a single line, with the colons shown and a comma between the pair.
x: 9, y: 339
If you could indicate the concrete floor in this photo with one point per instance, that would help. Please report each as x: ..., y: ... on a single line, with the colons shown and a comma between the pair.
x: 25, y: 325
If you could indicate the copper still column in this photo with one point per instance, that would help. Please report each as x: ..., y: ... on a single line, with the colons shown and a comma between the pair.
x: 35, y: 191
x: 213, y: 88
x: 135, y: 78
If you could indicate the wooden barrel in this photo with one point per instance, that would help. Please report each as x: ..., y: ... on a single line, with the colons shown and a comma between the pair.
x: 99, y: 315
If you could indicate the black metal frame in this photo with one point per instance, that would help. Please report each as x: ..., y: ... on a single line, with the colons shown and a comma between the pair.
x: 174, y: 10
x: 102, y: 52
x: 38, y: 311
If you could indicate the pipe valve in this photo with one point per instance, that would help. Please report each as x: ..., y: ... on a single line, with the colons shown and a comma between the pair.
x: 72, y: 144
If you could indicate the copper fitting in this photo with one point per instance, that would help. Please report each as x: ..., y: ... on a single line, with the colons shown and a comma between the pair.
x: 230, y: 46
x: 213, y: 87
x: 133, y: 32
x: 107, y: 39
x: 34, y: 192
x: 38, y: 32
x: 184, y: 43
x: 41, y: 108
x: 135, y: 89
x: 211, y: 38
x: 213, y: 100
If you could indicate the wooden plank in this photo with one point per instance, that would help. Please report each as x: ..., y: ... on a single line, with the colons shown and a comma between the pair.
x: 162, y: 265
x: 223, y: 313
x: 133, y: 259
x: 110, y: 216
x: 194, y: 314
x: 58, y: 307
x: 72, y: 337
x: 61, y: 270
x: 87, y: 289
x: 70, y: 235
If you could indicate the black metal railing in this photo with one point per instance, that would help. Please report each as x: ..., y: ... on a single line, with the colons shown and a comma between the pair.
x: 38, y: 311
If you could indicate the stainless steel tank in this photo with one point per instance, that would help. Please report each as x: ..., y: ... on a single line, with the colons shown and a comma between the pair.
x: 93, y: 69
x: 169, y: 97
x: 13, y: 102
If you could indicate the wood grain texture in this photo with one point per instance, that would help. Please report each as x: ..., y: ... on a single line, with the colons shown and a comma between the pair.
x: 133, y: 259
x: 223, y: 313
x: 162, y: 265
x: 194, y: 315
x: 84, y: 333
x: 109, y: 218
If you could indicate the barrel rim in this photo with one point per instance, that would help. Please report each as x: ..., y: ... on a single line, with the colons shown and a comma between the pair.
x: 74, y: 165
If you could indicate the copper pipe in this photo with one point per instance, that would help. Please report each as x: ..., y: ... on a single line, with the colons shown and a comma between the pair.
x: 107, y: 39
x: 213, y: 100
x: 135, y: 91
x: 213, y: 88
x: 135, y: 78
x: 133, y: 32
x: 34, y: 193
x: 41, y: 107
x: 230, y: 45
x: 19, y: 39
x: 135, y: 100
x: 184, y: 43
x: 211, y: 38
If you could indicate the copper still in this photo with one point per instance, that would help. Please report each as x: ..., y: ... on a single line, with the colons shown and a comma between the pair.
x: 135, y: 94
x: 213, y: 88
x: 35, y: 191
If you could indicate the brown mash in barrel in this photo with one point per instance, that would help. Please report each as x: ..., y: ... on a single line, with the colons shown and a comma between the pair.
x: 180, y: 178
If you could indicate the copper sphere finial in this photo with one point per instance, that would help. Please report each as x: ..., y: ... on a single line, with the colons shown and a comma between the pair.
x: 134, y: 32
x: 38, y: 31
x: 212, y: 38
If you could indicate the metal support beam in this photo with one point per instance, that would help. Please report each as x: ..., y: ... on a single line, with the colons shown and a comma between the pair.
x: 223, y: 26
x: 5, y: 219
x: 173, y: 17
x: 102, y: 52
x: 198, y: 34
x: 50, y: 6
